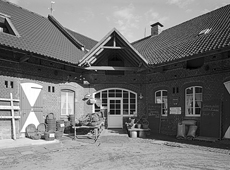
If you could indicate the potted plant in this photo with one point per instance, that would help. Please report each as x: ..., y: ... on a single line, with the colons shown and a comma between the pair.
x: 145, y: 124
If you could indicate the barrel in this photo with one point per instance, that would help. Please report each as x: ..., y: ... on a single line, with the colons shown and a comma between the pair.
x: 72, y: 119
x: 142, y: 134
x: 58, y: 134
x: 67, y: 127
x: 60, y: 125
x: 133, y: 134
x: 51, y: 122
x: 49, y: 136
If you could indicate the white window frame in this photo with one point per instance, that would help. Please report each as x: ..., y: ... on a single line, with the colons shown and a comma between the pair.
x: 193, y: 101
x: 164, y: 111
x: 123, y: 90
x: 67, y: 91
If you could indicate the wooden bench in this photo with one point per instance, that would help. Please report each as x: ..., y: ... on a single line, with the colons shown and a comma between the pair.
x: 95, y: 133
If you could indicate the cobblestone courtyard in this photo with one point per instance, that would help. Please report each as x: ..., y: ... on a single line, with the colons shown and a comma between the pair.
x: 115, y: 152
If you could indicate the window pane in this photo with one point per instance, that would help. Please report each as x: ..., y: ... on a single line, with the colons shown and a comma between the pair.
x: 118, y: 93
x: 97, y: 96
x: 132, y: 96
x: 132, y: 100
x: 198, y: 104
x: 125, y: 101
x: 125, y: 112
x: 132, y: 111
x: 158, y: 100
x: 112, y: 112
x: 111, y: 93
x: 125, y: 106
x: 197, y: 111
x: 198, y: 97
x: 165, y: 93
x: 132, y: 106
x: 158, y: 93
x: 104, y: 94
x: 189, y: 91
x: 198, y: 90
x: 125, y: 94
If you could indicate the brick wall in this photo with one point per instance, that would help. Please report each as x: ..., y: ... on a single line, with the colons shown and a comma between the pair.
x: 211, y: 78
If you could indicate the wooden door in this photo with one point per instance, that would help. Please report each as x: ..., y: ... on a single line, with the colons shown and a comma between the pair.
x: 115, y: 115
x: 31, y: 105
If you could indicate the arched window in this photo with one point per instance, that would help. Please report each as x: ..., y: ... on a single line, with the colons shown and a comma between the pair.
x: 67, y: 102
x: 128, y: 98
x: 193, y: 101
x: 161, y: 97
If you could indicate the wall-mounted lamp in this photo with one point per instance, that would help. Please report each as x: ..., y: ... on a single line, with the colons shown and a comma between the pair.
x: 141, y: 96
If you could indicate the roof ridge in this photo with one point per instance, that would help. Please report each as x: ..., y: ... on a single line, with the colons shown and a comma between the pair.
x: 200, y: 16
x: 65, y: 32
x: 81, y: 34
x: 141, y: 39
x: 6, y: 1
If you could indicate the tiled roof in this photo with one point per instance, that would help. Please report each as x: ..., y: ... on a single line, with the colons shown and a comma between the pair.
x: 86, y: 41
x: 37, y: 35
x: 183, y: 41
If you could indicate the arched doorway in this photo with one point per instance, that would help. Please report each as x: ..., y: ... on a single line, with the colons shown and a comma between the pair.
x: 118, y: 103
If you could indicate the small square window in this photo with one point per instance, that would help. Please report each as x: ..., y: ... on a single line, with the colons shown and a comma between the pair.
x: 12, y: 84
x: 6, y: 84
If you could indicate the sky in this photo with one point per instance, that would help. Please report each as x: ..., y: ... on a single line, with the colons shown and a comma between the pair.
x: 132, y: 18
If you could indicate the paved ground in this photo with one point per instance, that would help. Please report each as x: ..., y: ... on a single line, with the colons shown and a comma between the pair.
x: 115, y: 150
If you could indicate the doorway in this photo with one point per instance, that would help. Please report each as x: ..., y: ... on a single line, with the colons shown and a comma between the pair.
x: 115, y: 114
x: 31, y: 105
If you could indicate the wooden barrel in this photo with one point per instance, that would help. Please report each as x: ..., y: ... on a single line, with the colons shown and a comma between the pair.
x: 58, y: 134
x: 51, y: 123
x: 49, y: 136
x: 60, y: 125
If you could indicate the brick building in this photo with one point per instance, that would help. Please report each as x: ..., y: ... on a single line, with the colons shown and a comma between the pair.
x: 179, y: 74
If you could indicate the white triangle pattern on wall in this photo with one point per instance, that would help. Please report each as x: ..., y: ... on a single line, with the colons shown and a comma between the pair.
x: 31, y: 119
x: 32, y: 92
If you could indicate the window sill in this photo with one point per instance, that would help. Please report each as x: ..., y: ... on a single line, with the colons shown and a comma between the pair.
x: 192, y: 117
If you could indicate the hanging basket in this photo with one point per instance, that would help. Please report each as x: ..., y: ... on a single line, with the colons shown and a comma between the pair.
x: 92, y: 101
x: 87, y: 96
x: 98, y: 102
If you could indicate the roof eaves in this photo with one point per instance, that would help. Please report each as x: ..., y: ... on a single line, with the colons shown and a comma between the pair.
x: 65, y: 32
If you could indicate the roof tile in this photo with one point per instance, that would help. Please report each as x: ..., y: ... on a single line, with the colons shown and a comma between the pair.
x: 184, y: 41
x: 37, y: 35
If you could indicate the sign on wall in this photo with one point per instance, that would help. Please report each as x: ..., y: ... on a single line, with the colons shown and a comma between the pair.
x: 210, y: 119
x: 154, y: 113
x: 175, y: 110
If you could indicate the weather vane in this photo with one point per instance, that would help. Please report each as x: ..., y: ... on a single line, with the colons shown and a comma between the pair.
x: 51, y: 8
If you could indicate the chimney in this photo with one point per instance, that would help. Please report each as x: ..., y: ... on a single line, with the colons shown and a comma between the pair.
x: 155, y: 28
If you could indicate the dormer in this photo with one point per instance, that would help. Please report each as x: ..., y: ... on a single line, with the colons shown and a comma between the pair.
x: 6, y: 25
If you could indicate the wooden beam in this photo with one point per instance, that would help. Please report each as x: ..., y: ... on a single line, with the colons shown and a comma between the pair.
x: 9, y: 117
x: 23, y: 59
x: 111, y: 68
x: 9, y: 107
x: 15, y: 100
x: 113, y: 48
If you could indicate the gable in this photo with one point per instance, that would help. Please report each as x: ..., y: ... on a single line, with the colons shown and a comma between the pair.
x: 113, y: 46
